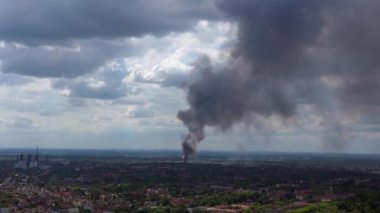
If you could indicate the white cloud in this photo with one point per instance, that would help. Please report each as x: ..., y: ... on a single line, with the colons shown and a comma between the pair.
x: 172, y: 65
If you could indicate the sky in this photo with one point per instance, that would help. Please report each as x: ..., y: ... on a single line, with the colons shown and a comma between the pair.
x: 244, y: 75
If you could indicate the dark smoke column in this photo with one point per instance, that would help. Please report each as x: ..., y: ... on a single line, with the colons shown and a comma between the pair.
x: 265, y: 65
x: 195, y: 135
x: 289, y: 54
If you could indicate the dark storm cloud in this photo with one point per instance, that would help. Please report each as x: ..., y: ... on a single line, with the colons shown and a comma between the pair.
x: 71, y: 38
x: 288, y: 54
x: 51, y: 22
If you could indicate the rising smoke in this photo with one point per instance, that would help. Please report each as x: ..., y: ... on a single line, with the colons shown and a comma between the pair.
x: 289, y: 53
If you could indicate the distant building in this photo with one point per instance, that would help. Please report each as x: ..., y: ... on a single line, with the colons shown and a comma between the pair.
x: 28, y: 161
x: 20, y: 163
x: 24, y: 161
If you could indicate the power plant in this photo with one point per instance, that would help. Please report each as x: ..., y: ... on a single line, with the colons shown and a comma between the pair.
x: 25, y: 161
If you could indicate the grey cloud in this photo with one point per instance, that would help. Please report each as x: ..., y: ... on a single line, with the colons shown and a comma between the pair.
x: 82, y: 35
x: 23, y: 123
x: 176, y: 79
x: 78, y: 102
x: 159, y: 123
x: 48, y: 22
x: 9, y: 79
x: 106, y: 83
x: 53, y: 110
x: 59, y: 61
x: 46, y: 113
x: 141, y: 112
x: 129, y: 101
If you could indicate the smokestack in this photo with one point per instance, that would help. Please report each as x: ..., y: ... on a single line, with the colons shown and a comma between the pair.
x: 29, y: 159
x: 37, y: 158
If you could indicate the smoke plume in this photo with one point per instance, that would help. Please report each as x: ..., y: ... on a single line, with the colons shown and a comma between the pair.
x: 289, y: 53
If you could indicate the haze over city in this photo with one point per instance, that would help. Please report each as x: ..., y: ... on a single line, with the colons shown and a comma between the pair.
x: 288, y: 76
